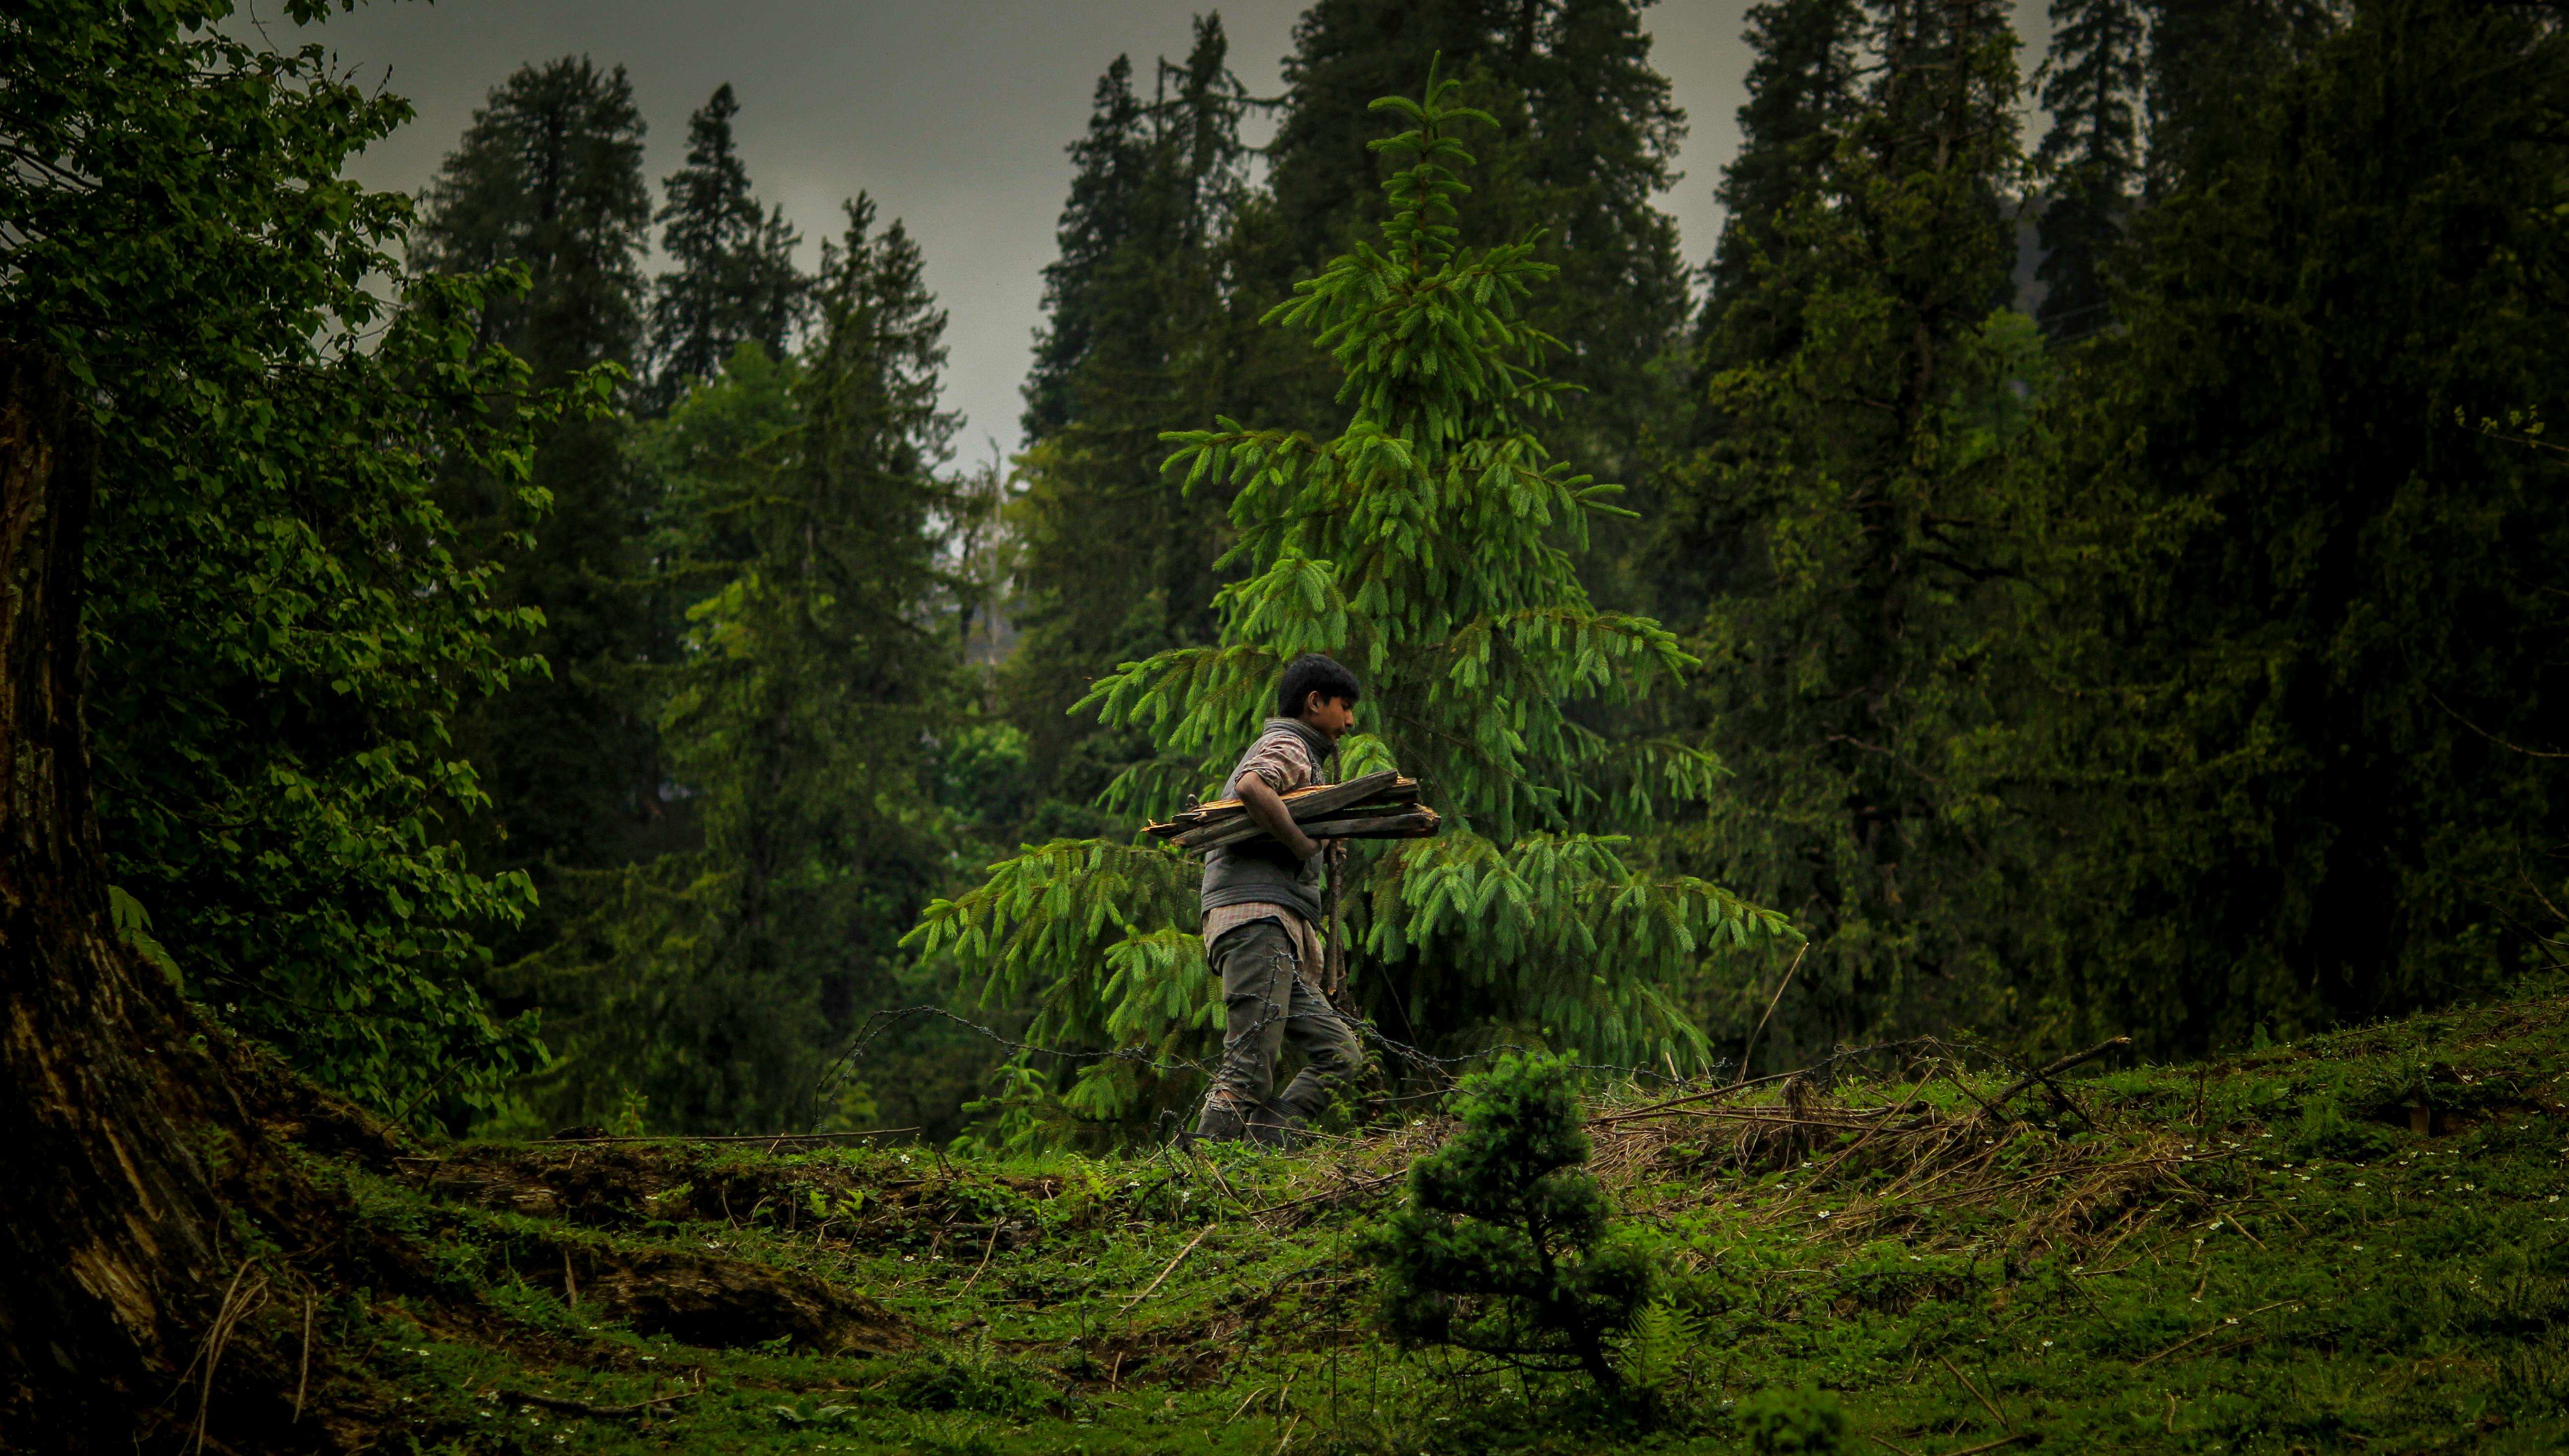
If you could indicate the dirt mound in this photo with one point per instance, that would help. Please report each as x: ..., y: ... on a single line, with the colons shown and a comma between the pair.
x: 729, y: 1303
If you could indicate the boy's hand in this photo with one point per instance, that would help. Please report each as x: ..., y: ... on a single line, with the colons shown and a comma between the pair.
x: 1266, y: 807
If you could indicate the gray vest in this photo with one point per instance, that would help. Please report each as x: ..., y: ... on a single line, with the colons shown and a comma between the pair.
x: 1261, y: 870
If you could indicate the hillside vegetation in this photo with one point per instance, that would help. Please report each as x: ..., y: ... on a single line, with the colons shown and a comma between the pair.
x: 2352, y: 1243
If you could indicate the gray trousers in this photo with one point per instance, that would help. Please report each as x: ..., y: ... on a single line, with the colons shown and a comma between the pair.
x: 1269, y: 1001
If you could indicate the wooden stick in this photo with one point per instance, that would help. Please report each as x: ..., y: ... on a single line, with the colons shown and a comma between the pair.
x: 1751, y: 1047
x: 583, y: 1407
x: 1315, y: 799
x: 303, y: 1377
x: 1976, y: 1393
x: 986, y: 1250
x: 2017, y: 1439
x: 1415, y: 822
x: 2208, y: 1334
x: 2062, y: 1065
x: 1172, y: 1269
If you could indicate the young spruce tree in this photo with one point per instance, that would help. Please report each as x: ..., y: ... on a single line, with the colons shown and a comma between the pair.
x: 1429, y: 543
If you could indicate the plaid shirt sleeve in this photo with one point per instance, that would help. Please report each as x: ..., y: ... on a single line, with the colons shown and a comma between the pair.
x: 1281, y: 760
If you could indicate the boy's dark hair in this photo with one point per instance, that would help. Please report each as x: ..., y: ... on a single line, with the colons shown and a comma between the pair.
x: 1314, y: 673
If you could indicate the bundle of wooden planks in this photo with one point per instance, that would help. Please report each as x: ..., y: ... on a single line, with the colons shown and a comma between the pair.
x: 1377, y: 806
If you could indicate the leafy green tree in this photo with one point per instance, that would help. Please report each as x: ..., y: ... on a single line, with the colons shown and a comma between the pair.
x: 735, y: 277
x: 2309, y: 609
x: 1856, y: 677
x: 2092, y: 153
x: 549, y: 176
x: 284, y: 633
x: 818, y: 663
x: 1109, y: 166
x: 1429, y: 543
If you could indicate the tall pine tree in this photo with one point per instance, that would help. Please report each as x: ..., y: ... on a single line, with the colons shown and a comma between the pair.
x: 549, y: 174
x: 2091, y: 156
x: 1587, y: 134
x: 734, y: 278
x: 1112, y: 560
x: 1852, y: 670
x: 1802, y: 91
x: 817, y: 669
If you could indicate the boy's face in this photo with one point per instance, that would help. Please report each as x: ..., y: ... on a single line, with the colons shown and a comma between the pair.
x: 1332, y: 716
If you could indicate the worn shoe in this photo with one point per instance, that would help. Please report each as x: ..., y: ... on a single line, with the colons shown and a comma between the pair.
x: 1221, y: 1123
x: 1276, y: 1126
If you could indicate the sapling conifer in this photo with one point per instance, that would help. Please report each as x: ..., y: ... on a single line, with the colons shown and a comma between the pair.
x: 1506, y: 1247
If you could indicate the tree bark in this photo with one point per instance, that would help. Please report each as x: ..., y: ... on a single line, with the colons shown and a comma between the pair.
x: 114, y: 1226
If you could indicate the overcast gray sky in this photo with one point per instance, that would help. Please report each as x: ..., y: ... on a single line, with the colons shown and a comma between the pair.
x: 953, y: 113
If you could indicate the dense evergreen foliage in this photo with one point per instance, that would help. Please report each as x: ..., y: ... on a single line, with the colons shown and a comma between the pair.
x: 1112, y: 560
x: 708, y: 983
x: 291, y: 632
x: 1505, y: 1247
x: 732, y: 277
x: 1429, y: 543
x: 549, y: 174
x: 2107, y: 589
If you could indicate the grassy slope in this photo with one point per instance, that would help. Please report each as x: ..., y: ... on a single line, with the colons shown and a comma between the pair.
x: 2255, y: 1255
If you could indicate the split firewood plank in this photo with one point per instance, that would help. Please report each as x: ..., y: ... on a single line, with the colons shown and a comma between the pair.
x: 1301, y: 803
x: 1306, y: 804
x: 1413, y: 823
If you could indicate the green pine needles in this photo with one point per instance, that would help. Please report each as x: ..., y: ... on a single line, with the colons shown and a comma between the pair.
x: 1430, y: 544
x: 1505, y: 1249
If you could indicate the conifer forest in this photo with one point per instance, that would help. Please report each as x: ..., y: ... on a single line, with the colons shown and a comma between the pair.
x: 1992, y: 747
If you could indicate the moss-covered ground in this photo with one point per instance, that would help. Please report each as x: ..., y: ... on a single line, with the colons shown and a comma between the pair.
x: 2354, y: 1243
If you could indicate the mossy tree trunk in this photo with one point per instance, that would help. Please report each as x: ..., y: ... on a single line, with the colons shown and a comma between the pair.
x: 113, y: 1221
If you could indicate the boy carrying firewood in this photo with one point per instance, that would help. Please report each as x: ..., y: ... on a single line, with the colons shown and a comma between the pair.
x: 1262, y: 900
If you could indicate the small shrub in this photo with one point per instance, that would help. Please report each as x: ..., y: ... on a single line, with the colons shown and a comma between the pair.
x: 973, y: 1381
x: 1504, y: 1248
x: 2325, y: 1131
x: 1793, y: 1422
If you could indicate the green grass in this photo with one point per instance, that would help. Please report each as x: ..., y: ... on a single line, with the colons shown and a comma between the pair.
x: 2255, y: 1255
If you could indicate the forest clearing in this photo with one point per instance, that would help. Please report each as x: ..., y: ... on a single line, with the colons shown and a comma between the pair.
x: 2259, y: 1253
x: 1928, y: 819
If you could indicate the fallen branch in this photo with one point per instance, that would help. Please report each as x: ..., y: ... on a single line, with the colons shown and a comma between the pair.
x: 1172, y: 1267
x: 986, y: 1250
x: 1996, y: 1414
x: 729, y: 1136
x: 1746, y: 1051
x: 2060, y: 1066
x: 583, y: 1407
